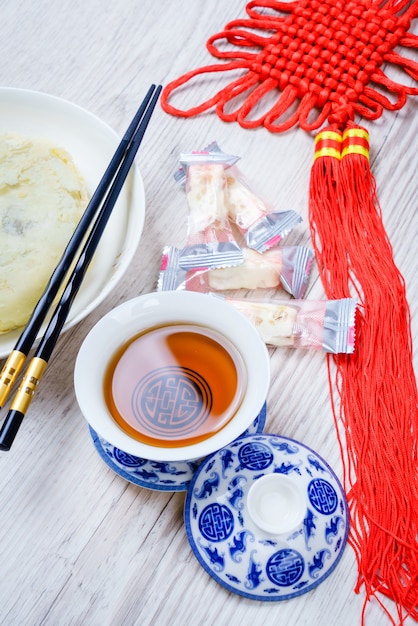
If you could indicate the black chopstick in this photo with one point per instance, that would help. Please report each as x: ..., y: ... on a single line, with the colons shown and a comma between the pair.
x: 38, y: 363
x: 17, y: 357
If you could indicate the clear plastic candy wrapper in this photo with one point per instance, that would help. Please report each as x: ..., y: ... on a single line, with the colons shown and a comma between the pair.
x: 287, y: 267
x: 260, y: 226
x: 210, y: 240
x: 327, y: 325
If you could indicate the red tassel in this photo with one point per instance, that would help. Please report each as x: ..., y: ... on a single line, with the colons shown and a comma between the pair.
x: 324, y: 200
x: 378, y: 398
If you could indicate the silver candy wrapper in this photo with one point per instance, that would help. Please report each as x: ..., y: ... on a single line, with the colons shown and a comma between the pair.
x: 269, y: 230
x: 177, y: 263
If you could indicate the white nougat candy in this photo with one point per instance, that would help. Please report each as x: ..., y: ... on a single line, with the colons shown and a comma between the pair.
x: 244, y: 207
x: 275, y: 323
x: 206, y: 196
x: 286, y: 266
x: 257, y: 271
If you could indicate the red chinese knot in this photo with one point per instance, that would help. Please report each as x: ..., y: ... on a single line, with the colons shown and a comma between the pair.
x: 325, y: 56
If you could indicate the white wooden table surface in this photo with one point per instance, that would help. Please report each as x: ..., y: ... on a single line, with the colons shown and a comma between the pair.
x: 78, y: 544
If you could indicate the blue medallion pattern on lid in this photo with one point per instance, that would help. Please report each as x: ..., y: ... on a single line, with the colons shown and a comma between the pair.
x: 216, y: 522
x: 322, y: 496
x: 237, y: 553
x: 255, y: 456
x: 285, y: 567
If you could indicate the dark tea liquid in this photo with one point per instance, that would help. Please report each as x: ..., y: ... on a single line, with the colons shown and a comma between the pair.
x: 174, y: 385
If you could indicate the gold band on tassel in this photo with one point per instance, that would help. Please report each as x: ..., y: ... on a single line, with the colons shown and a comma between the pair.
x: 328, y: 144
x: 29, y: 384
x: 355, y: 141
x: 10, y: 372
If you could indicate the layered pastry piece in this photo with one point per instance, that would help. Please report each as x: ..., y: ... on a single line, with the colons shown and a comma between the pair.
x: 42, y: 197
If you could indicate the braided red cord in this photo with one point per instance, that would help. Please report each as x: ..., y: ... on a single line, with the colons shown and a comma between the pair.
x: 326, y: 56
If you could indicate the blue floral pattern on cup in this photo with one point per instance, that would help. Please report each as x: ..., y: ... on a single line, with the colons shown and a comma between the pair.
x: 157, y: 475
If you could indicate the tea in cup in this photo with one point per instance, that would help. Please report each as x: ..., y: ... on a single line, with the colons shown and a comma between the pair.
x: 172, y: 375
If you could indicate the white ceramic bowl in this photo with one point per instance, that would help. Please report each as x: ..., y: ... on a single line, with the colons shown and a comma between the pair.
x: 157, y: 309
x: 91, y: 143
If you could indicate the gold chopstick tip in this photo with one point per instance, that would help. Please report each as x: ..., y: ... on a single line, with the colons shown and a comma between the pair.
x: 29, y: 384
x: 9, y: 373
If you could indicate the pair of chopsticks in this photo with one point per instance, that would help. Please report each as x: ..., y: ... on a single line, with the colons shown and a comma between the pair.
x: 104, y: 198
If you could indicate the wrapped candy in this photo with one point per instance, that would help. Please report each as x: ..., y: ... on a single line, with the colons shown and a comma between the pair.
x: 210, y: 240
x: 287, y: 267
x: 327, y: 325
x: 260, y: 226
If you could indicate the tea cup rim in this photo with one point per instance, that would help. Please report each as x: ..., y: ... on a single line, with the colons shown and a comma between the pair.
x: 158, y: 308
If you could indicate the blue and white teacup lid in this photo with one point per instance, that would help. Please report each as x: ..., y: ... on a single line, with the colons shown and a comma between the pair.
x: 266, y: 517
